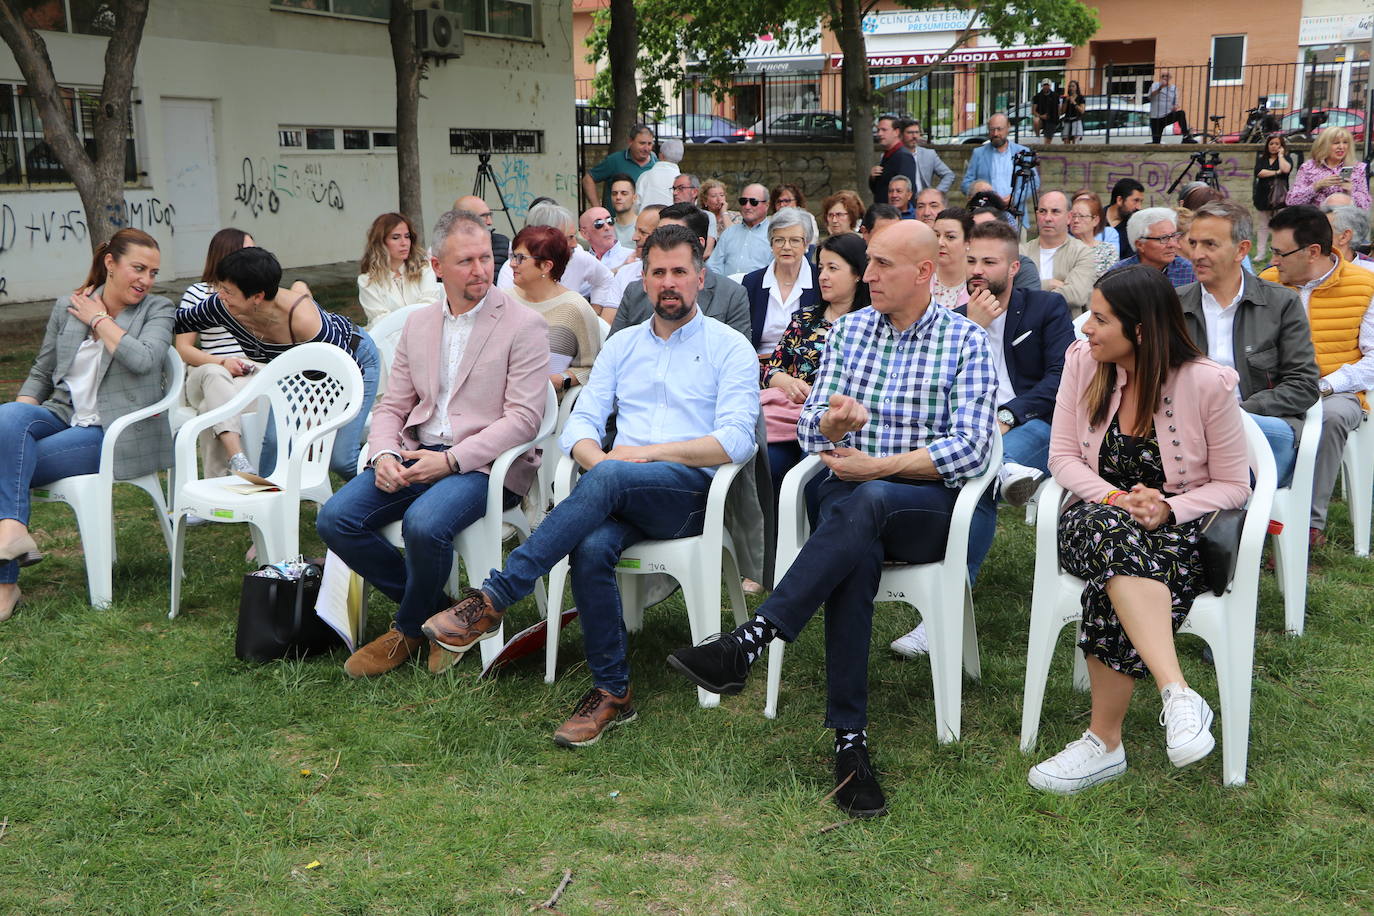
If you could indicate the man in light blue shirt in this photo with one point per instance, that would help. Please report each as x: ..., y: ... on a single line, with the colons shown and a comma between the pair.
x: 686, y: 394
x: 992, y: 162
x: 745, y: 247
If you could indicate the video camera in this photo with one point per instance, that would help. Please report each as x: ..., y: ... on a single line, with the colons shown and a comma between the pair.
x: 1024, y: 162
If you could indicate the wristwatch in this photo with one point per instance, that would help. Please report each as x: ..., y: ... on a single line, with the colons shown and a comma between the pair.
x: 567, y: 381
x: 1006, y: 416
x: 1325, y: 389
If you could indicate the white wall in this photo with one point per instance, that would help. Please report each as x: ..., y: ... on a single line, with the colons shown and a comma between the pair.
x: 267, y: 68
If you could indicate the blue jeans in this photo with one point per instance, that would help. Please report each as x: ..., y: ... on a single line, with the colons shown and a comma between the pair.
x: 1282, y: 443
x: 348, y: 440
x: 43, y: 448
x: 431, y: 516
x: 782, y: 457
x: 861, y: 525
x: 1026, y: 444
x: 615, y: 505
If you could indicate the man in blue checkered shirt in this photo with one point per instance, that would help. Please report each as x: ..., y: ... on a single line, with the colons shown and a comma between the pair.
x: 902, y: 415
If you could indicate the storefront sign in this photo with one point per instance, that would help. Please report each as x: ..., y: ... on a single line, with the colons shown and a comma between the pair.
x: 1331, y: 30
x: 768, y: 55
x: 900, y: 22
x: 964, y: 56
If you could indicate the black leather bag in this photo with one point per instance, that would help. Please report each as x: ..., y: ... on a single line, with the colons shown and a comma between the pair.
x: 277, y: 616
x: 1218, y: 543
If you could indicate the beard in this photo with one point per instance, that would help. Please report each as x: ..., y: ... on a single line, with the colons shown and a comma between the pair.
x: 672, y: 307
x: 996, y: 287
x: 998, y: 142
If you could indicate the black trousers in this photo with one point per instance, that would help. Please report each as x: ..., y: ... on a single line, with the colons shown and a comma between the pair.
x: 1157, y: 125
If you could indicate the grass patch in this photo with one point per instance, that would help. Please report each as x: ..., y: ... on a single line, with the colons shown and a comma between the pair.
x: 145, y: 770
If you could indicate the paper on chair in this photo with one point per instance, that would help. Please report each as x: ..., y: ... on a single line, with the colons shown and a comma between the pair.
x: 340, y: 600
x: 558, y: 363
x: 255, y: 484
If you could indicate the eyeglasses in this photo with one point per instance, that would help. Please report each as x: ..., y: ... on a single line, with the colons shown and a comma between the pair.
x: 1275, y: 253
x: 750, y: 202
x: 683, y: 187
x: 601, y: 223
x: 520, y: 258
x: 781, y: 242
x: 1171, y: 237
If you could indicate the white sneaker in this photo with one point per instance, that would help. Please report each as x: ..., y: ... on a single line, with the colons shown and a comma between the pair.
x: 1081, y: 764
x: 1018, y: 482
x: 1187, y: 721
x: 913, y: 644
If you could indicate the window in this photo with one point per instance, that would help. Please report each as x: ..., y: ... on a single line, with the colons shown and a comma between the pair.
x: 85, y: 17
x: 1228, y: 59
x: 484, y: 140
x: 26, y: 158
x: 327, y: 139
x: 383, y: 139
x: 508, y: 18
x: 319, y: 138
x: 356, y: 139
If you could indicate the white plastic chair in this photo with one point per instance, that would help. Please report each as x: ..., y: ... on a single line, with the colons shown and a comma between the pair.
x: 1293, y: 507
x: 939, y: 591
x: 1078, y: 322
x: 386, y: 334
x: 697, y: 563
x: 478, y: 546
x: 1357, y: 471
x: 1226, y: 623
x: 314, y: 389
x: 550, y: 446
x: 91, y: 495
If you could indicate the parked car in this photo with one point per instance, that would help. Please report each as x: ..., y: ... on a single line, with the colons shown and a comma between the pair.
x: 702, y: 128
x: 1352, y: 119
x: 1130, y: 123
x: 802, y: 126
x: 593, y: 124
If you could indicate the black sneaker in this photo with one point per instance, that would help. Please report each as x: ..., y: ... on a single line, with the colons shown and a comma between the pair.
x: 858, y: 793
x: 718, y: 664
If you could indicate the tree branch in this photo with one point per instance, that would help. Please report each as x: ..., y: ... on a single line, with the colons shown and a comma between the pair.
x: 929, y: 68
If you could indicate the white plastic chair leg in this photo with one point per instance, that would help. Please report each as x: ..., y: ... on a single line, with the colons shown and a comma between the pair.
x: 775, y: 652
x: 734, y: 587
x: 698, y: 597
x: 946, y: 636
x: 972, y: 662
x: 558, y: 577
x: 1234, y: 663
x: 1045, y: 627
x: 177, y: 550
x: 1290, y: 569
x: 150, y: 485
x: 95, y: 521
x: 1081, y: 682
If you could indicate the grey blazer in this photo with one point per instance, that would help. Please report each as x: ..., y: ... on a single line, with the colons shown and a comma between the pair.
x: 932, y: 169
x: 720, y: 298
x: 128, y: 379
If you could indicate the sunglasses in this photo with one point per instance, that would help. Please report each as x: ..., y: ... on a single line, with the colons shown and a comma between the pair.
x: 601, y: 223
x: 751, y: 202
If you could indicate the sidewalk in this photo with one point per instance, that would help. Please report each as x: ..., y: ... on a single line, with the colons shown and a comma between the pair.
x: 317, y: 277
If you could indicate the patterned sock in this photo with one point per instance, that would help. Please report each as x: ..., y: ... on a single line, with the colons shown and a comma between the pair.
x: 847, y: 738
x: 754, y: 636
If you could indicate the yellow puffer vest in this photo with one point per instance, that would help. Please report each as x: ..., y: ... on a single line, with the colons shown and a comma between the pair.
x: 1335, y: 311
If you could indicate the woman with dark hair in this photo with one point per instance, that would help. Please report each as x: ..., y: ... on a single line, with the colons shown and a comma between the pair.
x: 1071, y: 107
x: 539, y: 255
x: 843, y: 212
x: 786, y: 195
x: 1273, y: 171
x: 394, y: 272
x: 101, y: 358
x: 786, y: 376
x: 1148, y: 437
x: 948, y: 286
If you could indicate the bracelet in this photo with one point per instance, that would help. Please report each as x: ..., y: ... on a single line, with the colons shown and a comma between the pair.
x: 99, y: 317
x: 452, y: 461
x: 1111, y: 498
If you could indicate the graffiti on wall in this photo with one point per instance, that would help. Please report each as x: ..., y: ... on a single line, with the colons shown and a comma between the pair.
x: 513, y: 178
x: 263, y: 186
x: 1100, y: 172
x: 38, y: 227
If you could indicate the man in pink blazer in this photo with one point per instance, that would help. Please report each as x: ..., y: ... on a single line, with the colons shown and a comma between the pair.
x: 468, y: 381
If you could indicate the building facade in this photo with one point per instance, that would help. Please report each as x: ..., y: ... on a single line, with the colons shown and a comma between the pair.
x: 278, y: 117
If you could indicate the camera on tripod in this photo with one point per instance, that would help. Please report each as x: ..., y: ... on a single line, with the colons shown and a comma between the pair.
x: 1206, y: 160
x: 1025, y: 162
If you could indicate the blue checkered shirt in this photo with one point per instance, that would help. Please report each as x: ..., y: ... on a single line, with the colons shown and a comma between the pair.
x: 1179, y: 270
x: 932, y: 386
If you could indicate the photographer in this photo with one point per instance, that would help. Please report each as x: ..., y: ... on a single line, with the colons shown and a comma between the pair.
x: 1164, y: 109
x: 1004, y: 165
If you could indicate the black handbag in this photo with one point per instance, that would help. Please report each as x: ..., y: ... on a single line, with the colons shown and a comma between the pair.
x: 1218, y: 544
x: 277, y: 614
x: 1278, y: 192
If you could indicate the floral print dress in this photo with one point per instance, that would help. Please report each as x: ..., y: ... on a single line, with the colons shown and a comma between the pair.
x: 1097, y: 541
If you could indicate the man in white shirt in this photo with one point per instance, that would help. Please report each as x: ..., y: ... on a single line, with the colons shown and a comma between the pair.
x: 745, y: 247
x: 1164, y: 109
x: 625, y: 205
x: 685, y: 190
x: 633, y: 268
x: 1066, y: 264
x: 597, y: 227
x: 1349, y: 227
x: 656, y: 185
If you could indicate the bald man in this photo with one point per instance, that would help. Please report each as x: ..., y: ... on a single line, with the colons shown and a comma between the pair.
x: 500, y: 245
x: 901, y: 414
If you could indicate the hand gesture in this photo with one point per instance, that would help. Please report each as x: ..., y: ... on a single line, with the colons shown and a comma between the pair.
x: 875, y: 172
x: 639, y: 454
x: 852, y: 464
x: 1146, y: 506
x: 795, y: 389
x: 84, y: 307
x: 428, y: 466
x: 389, y: 473
x: 845, y: 414
x: 983, y: 308
x: 237, y: 367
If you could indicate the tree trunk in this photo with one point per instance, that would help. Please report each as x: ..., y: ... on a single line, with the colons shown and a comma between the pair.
x: 100, y: 183
x: 858, y: 92
x: 622, y: 47
x: 406, y: 59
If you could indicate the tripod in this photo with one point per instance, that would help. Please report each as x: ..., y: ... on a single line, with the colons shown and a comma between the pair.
x: 479, y: 187
x: 1206, y: 163
x: 1022, y: 179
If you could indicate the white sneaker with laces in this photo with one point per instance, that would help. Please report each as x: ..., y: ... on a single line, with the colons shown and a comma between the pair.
x: 1018, y: 482
x: 913, y: 644
x: 1081, y: 764
x: 1187, y: 721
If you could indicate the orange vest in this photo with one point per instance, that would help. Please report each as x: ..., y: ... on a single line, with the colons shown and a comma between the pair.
x: 1335, y: 311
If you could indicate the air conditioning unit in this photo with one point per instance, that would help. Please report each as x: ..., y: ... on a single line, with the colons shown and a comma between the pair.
x: 438, y: 34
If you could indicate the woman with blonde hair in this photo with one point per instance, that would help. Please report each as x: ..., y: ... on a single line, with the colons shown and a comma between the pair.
x: 1088, y: 223
x: 101, y: 358
x: 713, y: 199
x: 1332, y: 168
x: 394, y: 271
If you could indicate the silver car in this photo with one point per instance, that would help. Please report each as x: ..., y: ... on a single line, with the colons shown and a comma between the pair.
x: 1130, y: 124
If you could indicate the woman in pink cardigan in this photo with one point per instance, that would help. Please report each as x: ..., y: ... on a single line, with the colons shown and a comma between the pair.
x: 1148, y: 437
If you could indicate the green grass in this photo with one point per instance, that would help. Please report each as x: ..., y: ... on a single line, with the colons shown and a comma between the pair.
x: 145, y: 770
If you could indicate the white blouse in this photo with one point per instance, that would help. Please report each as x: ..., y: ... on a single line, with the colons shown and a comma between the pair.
x: 397, y: 292
x: 780, y: 310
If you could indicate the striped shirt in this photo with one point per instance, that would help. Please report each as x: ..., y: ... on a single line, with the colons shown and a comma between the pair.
x: 214, y: 340
x: 334, y: 329
x: 932, y: 386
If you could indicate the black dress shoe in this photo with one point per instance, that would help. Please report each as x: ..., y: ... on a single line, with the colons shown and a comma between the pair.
x: 858, y: 793
x: 719, y: 664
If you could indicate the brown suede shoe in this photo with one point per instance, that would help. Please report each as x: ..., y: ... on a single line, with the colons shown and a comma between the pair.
x: 440, y: 659
x: 597, y: 711
x: 385, y: 653
x: 471, y: 620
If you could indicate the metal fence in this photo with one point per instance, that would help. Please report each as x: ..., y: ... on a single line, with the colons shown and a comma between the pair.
x: 953, y: 103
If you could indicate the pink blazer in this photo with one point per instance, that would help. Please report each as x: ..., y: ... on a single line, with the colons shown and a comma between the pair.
x: 498, y: 400
x: 1198, y: 424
